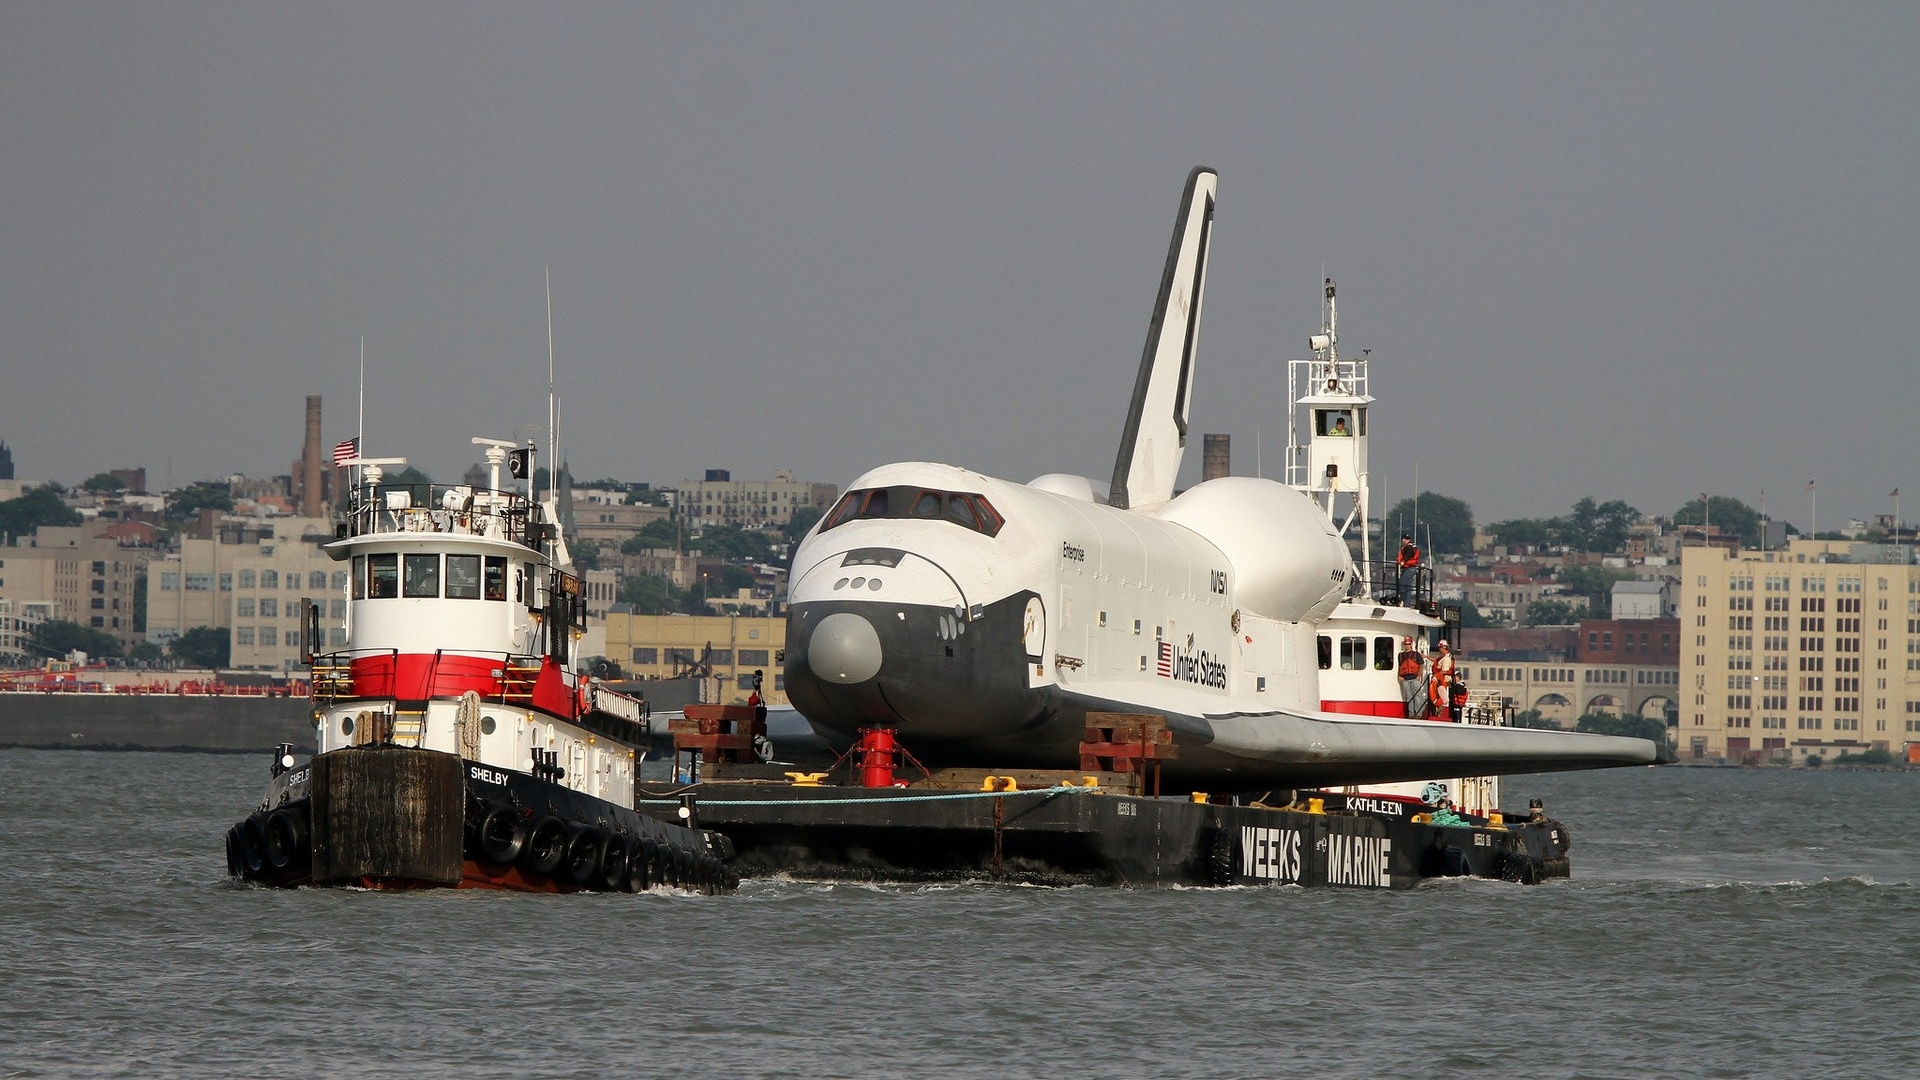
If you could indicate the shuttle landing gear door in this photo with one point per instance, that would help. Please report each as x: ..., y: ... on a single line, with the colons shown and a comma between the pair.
x: 1033, y: 638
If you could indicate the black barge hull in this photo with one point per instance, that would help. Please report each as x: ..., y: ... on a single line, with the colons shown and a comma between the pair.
x: 1074, y: 836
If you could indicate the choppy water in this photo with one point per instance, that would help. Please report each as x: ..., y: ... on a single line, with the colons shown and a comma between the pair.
x: 1719, y: 924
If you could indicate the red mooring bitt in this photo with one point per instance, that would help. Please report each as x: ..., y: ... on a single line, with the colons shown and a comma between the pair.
x: 877, y: 753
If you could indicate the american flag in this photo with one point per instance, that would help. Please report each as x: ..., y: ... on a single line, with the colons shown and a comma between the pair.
x: 1166, y: 660
x: 344, y: 452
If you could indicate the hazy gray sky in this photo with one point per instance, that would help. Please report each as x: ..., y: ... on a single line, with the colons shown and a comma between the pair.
x: 1632, y: 251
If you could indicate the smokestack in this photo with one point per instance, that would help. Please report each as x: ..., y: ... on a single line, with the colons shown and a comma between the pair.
x: 311, y: 503
x: 1216, y: 458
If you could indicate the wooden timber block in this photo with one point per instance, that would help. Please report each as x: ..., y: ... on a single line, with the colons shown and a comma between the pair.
x: 391, y: 814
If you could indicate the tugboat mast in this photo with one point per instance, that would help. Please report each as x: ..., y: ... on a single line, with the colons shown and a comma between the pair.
x: 1327, y: 405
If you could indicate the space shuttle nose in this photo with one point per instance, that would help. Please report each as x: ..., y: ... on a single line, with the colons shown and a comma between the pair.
x: 845, y: 649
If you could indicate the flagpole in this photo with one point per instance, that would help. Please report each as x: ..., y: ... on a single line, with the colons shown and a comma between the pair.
x: 1763, y: 519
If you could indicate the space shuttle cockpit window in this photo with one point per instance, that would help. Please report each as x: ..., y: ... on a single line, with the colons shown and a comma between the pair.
x: 969, y: 511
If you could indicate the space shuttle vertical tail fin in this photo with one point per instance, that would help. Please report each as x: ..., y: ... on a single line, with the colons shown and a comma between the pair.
x: 1156, y: 435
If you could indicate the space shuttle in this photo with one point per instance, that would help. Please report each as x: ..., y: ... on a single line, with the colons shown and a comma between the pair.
x: 983, y: 619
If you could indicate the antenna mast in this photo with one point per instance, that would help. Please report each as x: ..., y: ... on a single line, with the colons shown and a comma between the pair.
x: 553, y: 419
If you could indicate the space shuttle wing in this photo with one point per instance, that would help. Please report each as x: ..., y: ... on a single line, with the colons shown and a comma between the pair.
x: 1156, y: 433
x: 1308, y: 749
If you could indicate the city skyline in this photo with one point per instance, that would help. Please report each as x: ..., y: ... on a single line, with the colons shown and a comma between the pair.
x: 1628, y: 255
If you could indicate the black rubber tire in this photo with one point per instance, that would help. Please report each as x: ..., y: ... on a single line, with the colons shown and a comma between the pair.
x: 500, y: 835
x: 286, y: 839
x: 614, y: 857
x: 639, y: 865
x: 1220, y: 858
x: 236, y: 863
x: 582, y: 864
x: 253, y: 845
x: 546, y: 846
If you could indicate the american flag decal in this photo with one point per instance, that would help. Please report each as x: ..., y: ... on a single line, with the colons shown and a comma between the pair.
x: 346, y: 451
x: 1166, y: 660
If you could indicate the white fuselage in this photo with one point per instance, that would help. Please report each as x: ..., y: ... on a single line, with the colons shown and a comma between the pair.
x: 1205, y: 604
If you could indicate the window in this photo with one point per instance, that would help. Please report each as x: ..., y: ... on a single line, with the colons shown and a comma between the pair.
x: 338, y: 581
x: 723, y: 657
x: 243, y: 635
x: 756, y: 657
x: 226, y: 582
x: 495, y: 585
x: 198, y: 583
x: 246, y: 579
x: 316, y: 579
x: 293, y: 581
x: 969, y: 511
x: 1326, y: 652
x: 1383, y: 654
x: 646, y: 656
x: 336, y: 609
x: 422, y: 577
x: 169, y: 581
x: 269, y: 607
x: 463, y: 577
x: 1353, y: 654
x: 383, y: 576
x: 243, y: 607
x: 744, y: 682
x: 359, y: 577
x: 269, y: 579
x: 293, y: 639
x: 337, y: 636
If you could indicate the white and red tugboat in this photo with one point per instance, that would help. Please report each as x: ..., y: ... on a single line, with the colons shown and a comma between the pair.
x: 1392, y: 610
x: 459, y: 744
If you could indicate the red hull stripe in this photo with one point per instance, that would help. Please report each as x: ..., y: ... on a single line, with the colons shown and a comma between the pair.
x: 1394, y: 709
x: 425, y: 676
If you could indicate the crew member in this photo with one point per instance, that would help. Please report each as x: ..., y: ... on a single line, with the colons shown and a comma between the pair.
x: 1457, y: 700
x: 1439, y: 695
x: 1412, y: 666
x: 1443, y: 659
x: 1340, y: 426
x: 1408, y: 565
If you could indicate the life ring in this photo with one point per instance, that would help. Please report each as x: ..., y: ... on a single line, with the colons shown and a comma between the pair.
x: 582, y: 861
x: 546, y: 846
x: 613, y: 862
x: 285, y: 834
x: 500, y: 835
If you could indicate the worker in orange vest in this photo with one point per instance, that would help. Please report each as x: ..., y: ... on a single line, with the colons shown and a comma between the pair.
x: 1412, y: 670
x: 1407, y: 565
x: 1438, y: 696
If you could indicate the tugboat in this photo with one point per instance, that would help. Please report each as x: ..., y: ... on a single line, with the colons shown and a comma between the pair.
x: 1392, y: 610
x: 459, y: 744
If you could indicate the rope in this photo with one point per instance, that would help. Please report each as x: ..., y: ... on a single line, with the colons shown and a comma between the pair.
x: 871, y: 799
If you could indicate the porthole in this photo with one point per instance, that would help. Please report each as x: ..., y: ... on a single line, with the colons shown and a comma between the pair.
x: 841, y: 584
x: 487, y: 725
x: 874, y: 585
x: 346, y: 726
x: 857, y: 582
